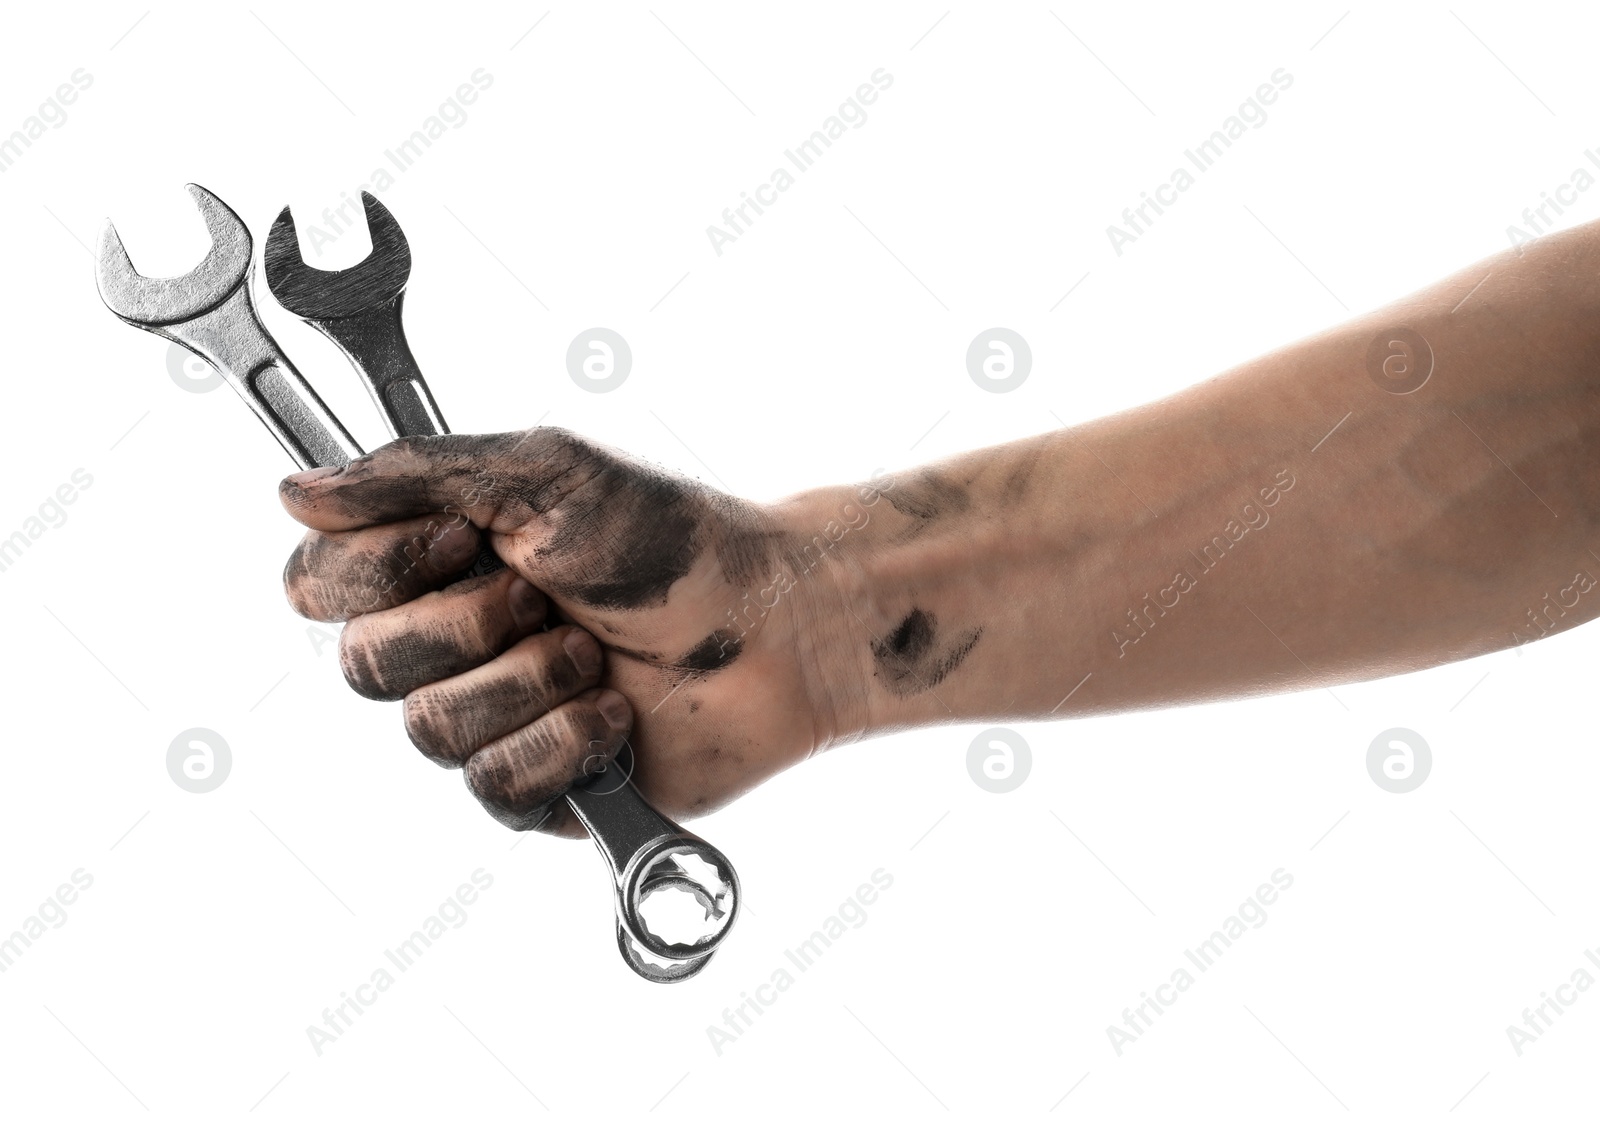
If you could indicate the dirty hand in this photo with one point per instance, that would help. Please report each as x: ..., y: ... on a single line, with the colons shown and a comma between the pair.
x: 647, y: 581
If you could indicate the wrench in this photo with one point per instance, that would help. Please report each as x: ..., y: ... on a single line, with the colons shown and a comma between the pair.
x: 211, y: 312
x: 359, y: 310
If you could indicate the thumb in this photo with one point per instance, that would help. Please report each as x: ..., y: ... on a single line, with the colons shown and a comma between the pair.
x: 495, y: 480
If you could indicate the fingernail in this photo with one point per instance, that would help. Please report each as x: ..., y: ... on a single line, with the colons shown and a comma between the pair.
x: 527, y: 604
x: 614, y: 708
x: 300, y: 478
x: 584, y: 652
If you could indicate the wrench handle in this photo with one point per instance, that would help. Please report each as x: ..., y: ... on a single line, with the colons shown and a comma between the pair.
x: 375, y: 343
x: 232, y: 338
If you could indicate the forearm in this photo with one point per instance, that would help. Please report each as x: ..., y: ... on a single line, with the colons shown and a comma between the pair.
x: 1221, y: 542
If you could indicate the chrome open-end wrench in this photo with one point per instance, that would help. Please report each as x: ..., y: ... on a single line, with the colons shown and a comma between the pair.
x: 649, y: 855
x: 211, y: 312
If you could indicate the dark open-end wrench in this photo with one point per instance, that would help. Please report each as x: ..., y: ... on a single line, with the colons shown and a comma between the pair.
x: 359, y: 309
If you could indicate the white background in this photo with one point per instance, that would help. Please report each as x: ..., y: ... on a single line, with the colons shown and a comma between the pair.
x: 826, y: 343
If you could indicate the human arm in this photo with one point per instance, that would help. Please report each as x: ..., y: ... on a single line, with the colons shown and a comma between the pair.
x: 1289, y: 523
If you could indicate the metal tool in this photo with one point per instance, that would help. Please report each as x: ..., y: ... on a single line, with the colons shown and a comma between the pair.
x: 210, y: 311
x: 359, y: 308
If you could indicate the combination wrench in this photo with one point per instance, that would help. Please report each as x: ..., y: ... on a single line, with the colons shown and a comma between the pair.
x: 211, y: 312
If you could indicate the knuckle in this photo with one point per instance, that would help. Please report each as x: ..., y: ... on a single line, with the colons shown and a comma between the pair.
x: 549, y: 438
x: 488, y: 776
x: 358, y: 664
x: 298, y: 582
x: 428, y: 729
x: 405, y: 447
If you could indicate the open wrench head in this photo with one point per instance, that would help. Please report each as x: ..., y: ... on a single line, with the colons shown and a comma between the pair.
x: 337, y: 293
x: 160, y: 301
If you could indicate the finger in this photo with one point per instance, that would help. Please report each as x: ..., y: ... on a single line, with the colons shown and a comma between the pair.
x: 385, y: 655
x: 524, y: 472
x: 519, y: 776
x: 332, y: 576
x: 451, y: 719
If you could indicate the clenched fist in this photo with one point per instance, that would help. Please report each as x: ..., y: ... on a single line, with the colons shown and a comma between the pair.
x: 636, y: 605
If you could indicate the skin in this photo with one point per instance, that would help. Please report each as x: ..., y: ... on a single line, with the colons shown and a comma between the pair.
x: 1292, y: 523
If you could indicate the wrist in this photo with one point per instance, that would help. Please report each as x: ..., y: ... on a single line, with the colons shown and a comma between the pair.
x: 885, y: 607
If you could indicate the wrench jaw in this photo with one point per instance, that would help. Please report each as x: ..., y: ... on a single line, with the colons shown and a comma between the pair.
x: 331, y: 294
x: 359, y: 308
x: 151, y: 302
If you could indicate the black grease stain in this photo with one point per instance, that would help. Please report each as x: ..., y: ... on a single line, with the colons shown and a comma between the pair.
x: 1020, y: 477
x: 334, y: 576
x: 661, y: 518
x: 654, y: 658
x: 385, y: 663
x: 908, y: 660
x: 911, y: 640
x: 621, y: 532
x: 745, y: 542
x: 613, y: 532
x: 388, y: 670
x: 927, y: 496
x: 712, y: 653
x: 449, y: 723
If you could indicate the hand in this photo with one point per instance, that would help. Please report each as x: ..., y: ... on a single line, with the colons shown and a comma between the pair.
x: 715, y: 692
